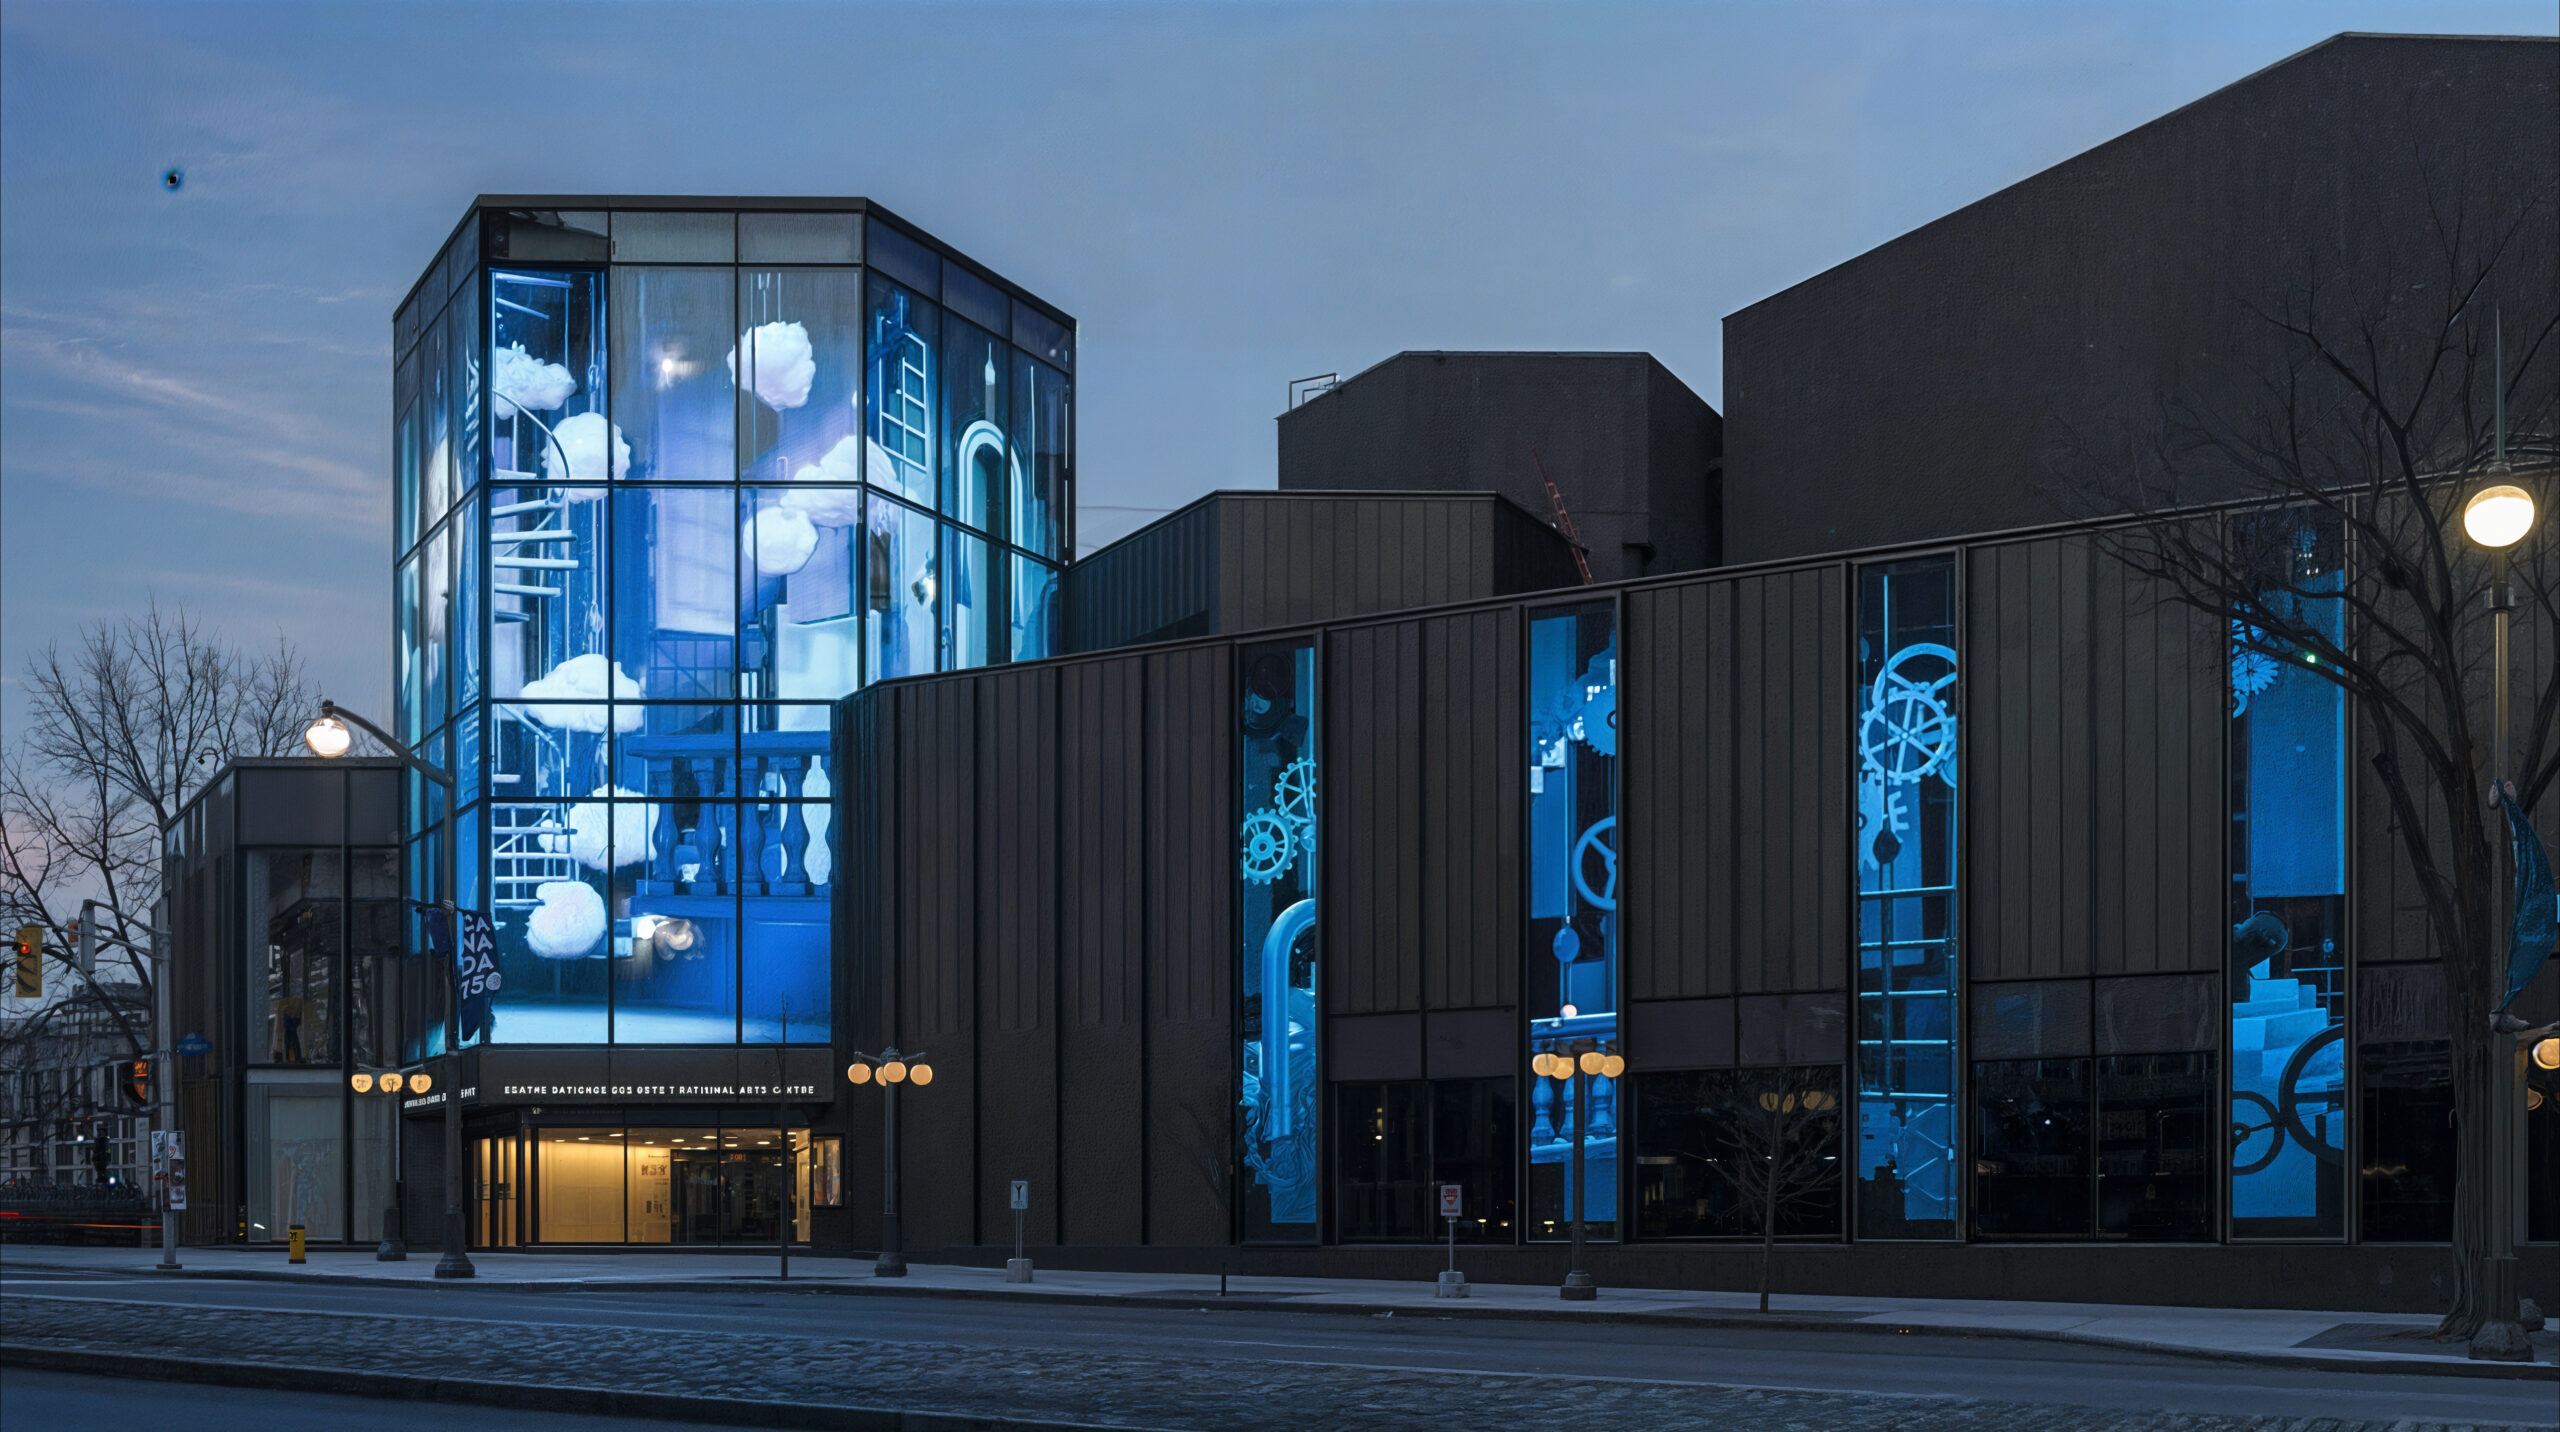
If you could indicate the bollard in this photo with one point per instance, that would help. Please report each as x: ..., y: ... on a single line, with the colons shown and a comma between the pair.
x: 293, y: 1243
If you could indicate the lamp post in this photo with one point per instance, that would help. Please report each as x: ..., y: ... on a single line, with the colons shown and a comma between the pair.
x: 889, y: 1069
x: 329, y: 738
x: 1574, y: 1065
x: 391, y: 1082
x: 2496, y: 518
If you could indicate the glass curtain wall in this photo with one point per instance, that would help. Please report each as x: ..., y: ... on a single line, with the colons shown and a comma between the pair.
x: 1906, y: 731
x: 1569, y: 972
x: 1395, y: 1143
x: 2287, y: 974
x: 1276, y: 898
x: 1704, y: 1141
x: 648, y: 531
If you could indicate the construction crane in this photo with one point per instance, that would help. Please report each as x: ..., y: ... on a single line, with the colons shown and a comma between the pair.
x: 1564, y: 520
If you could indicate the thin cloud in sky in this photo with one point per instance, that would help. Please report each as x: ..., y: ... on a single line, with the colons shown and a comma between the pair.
x: 197, y: 385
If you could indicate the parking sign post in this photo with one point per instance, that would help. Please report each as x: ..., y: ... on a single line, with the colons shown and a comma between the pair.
x: 1453, y: 1284
x: 1017, y: 1269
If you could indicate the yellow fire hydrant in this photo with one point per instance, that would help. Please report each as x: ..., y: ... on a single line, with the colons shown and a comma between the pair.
x: 293, y: 1243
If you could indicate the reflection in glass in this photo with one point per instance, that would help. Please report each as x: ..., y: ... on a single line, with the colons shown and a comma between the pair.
x: 295, y: 923
x: 1034, y: 603
x: 903, y: 574
x: 1276, y: 898
x: 974, y: 456
x: 1696, y: 1130
x: 673, y: 330
x: 1907, y: 699
x: 796, y: 634
x: 798, y: 358
x: 2156, y: 1142
x: 1382, y: 1162
x: 675, y: 591
x: 406, y: 453
x: 2287, y: 977
x: 1038, y: 473
x: 1569, y: 972
x: 2031, y: 1152
x: 2409, y: 1156
x: 968, y: 602
x: 435, y: 625
x: 1474, y: 1144
x: 411, y: 697
x: 435, y: 374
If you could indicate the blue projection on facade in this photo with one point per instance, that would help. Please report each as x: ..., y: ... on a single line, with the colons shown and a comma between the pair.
x: 1569, y: 972
x: 1906, y: 725
x: 2287, y: 977
x: 1276, y: 895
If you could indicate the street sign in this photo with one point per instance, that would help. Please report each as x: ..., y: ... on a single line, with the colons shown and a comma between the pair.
x: 1452, y: 1200
x: 1021, y: 1194
x: 195, y: 1044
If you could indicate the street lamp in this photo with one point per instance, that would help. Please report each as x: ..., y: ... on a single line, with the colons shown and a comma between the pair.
x: 329, y: 738
x: 391, y: 1082
x: 889, y: 1069
x: 1575, y: 1064
x: 2496, y: 518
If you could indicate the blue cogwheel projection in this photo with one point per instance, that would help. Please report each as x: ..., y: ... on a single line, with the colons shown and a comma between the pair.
x: 1293, y: 793
x: 1268, y: 847
x: 1598, y: 841
x: 1595, y: 717
x: 1908, y: 731
x: 2252, y: 671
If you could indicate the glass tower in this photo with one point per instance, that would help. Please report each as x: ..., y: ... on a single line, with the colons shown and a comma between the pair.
x: 670, y: 479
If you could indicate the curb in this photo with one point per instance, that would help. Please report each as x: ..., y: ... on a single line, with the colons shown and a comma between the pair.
x: 2398, y: 1366
x: 592, y: 1401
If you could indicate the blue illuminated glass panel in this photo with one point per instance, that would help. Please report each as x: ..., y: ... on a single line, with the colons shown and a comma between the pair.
x: 1276, y: 893
x: 674, y: 397
x: 1905, y: 724
x: 1034, y: 600
x: 2287, y: 975
x: 902, y: 576
x: 1038, y: 470
x: 968, y: 600
x: 1569, y: 971
x: 903, y: 362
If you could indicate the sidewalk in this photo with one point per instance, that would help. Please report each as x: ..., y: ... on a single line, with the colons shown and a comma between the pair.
x: 2370, y: 1342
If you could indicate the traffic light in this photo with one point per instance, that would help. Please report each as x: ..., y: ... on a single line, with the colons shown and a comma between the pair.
x: 30, y: 972
x: 137, y: 1082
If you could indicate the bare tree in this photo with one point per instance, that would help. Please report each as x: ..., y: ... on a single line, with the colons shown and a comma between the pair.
x: 1782, y: 1128
x: 2394, y: 370
x: 121, y: 730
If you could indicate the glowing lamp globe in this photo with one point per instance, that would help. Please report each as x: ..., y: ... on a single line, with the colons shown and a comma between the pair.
x: 361, y: 1082
x: 920, y: 1075
x: 391, y: 1083
x: 857, y: 1073
x: 420, y: 1083
x: 1613, y: 1065
x: 2498, y: 516
x: 2546, y: 1052
x: 328, y: 737
x: 1593, y: 1061
x: 894, y: 1072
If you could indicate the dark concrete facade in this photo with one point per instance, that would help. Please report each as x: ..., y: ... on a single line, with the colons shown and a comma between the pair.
x: 1635, y: 453
x: 1939, y: 384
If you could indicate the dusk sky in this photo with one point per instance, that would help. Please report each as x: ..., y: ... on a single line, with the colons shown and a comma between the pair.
x: 195, y: 397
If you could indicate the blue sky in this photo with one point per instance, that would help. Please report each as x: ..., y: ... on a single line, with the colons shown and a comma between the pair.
x: 194, y: 386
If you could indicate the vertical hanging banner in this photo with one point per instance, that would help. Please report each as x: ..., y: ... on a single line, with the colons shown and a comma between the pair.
x: 475, y: 971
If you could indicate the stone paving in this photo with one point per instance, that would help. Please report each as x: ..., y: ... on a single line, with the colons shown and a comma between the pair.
x: 1126, y: 1389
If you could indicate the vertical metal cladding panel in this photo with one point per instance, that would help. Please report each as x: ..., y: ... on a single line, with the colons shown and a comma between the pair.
x: 2160, y: 713
x: 866, y: 785
x: 2027, y: 717
x: 1101, y: 776
x: 1778, y: 675
x: 935, y: 820
x: 1163, y: 575
x: 1678, y: 942
x: 1016, y: 865
x: 1371, y: 819
x: 1471, y: 760
x: 1189, y: 929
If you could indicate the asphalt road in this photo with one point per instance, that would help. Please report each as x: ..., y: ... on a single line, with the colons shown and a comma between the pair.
x: 29, y: 1398
x: 2050, y: 1374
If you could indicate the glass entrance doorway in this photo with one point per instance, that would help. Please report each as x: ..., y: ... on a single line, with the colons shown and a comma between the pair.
x: 499, y: 1169
x: 697, y: 1187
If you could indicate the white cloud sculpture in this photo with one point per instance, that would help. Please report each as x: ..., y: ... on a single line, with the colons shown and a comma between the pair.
x: 581, y: 441
x: 568, y: 924
x: 630, y: 825
x: 781, y: 539
x: 830, y: 506
x: 582, y: 678
x: 517, y: 379
x: 784, y: 363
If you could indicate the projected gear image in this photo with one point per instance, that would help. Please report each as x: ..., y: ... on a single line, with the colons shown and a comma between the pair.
x: 1268, y: 847
x: 1293, y: 792
x: 1907, y: 731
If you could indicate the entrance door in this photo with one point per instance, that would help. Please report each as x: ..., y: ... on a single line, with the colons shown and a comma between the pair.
x: 754, y: 1197
x: 500, y: 1171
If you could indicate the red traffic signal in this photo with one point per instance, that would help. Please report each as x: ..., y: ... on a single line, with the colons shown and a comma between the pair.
x: 137, y: 1082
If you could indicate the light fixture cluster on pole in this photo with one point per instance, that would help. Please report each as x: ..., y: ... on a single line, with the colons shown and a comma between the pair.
x: 2496, y: 518
x: 392, y: 1082
x: 330, y: 737
x: 888, y: 1069
x: 1576, y: 1063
